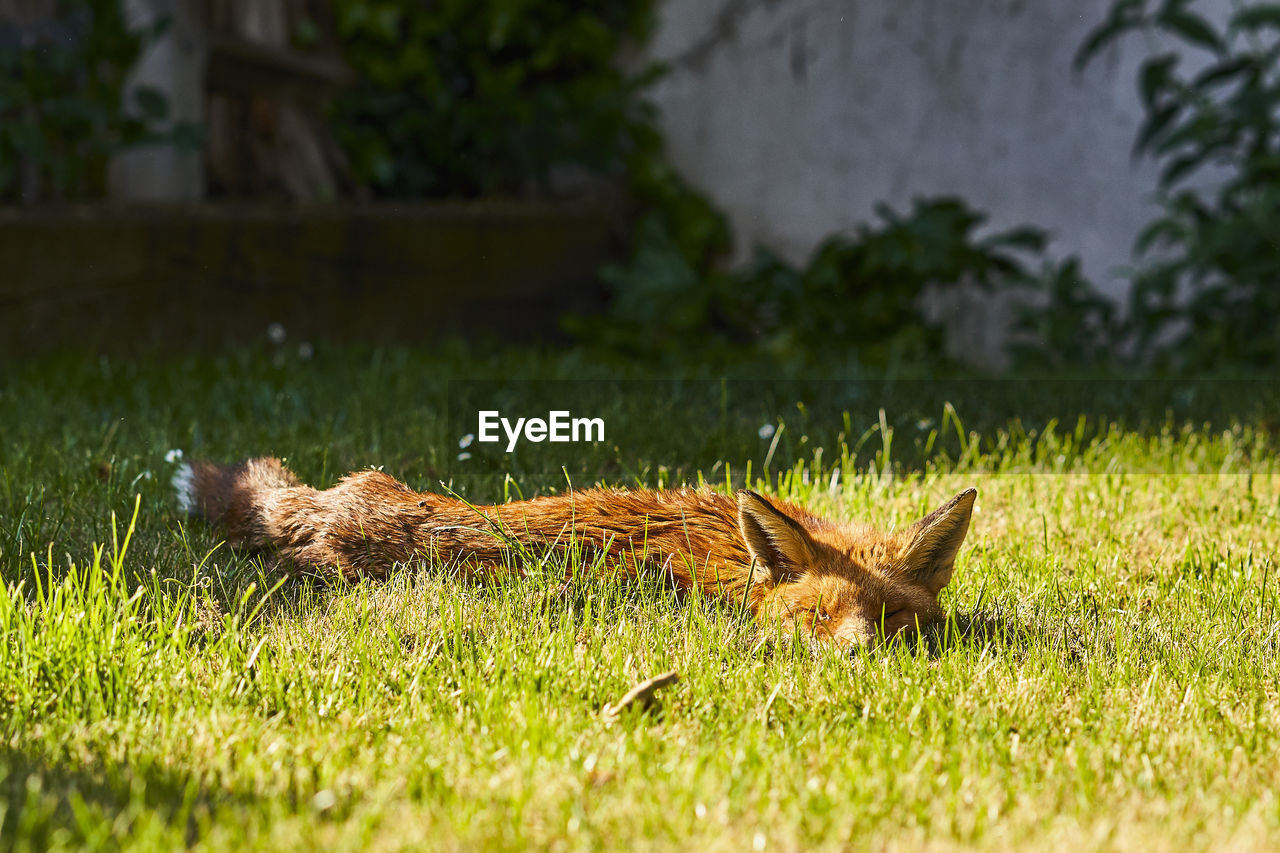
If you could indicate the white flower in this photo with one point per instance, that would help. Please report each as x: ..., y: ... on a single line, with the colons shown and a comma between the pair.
x: 466, y: 440
x: 276, y: 333
x: 464, y: 456
x: 767, y: 431
x: 174, y: 455
x: 306, y: 350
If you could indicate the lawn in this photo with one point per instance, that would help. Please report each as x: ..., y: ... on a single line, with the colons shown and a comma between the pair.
x: 1107, y: 676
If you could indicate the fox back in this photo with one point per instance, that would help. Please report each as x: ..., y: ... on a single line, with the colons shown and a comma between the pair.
x: 842, y: 582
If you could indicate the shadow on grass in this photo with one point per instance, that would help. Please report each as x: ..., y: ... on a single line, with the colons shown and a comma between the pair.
x: 548, y: 597
x: 100, y: 803
x: 558, y: 587
x: 1004, y: 633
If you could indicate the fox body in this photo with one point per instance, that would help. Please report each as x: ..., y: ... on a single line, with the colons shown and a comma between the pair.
x: 842, y: 582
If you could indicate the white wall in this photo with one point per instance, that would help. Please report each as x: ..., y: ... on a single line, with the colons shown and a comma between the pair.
x: 798, y: 116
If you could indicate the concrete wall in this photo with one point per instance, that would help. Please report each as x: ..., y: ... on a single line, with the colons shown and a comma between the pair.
x: 798, y: 116
x: 174, y: 65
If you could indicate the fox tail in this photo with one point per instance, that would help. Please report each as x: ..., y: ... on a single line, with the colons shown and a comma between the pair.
x: 232, y: 497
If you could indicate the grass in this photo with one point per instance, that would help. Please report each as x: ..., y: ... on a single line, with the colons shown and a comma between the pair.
x: 1108, y: 676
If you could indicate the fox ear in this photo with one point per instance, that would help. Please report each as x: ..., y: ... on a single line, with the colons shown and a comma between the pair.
x: 935, y: 540
x: 780, y: 548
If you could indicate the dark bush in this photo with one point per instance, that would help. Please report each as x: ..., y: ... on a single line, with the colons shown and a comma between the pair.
x: 62, y: 110
x: 1207, y: 293
x: 858, y: 296
x: 467, y: 98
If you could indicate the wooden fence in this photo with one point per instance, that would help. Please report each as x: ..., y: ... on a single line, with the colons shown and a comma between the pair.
x: 129, y: 278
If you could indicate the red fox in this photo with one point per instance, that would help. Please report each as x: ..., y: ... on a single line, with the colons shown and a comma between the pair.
x: 845, y: 583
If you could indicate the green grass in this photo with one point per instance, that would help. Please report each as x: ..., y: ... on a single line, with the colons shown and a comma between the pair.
x: 1108, y: 676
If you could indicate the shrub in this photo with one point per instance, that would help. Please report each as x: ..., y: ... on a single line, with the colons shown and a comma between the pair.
x: 62, y: 110
x: 489, y: 97
x: 857, y: 297
x: 1207, y: 293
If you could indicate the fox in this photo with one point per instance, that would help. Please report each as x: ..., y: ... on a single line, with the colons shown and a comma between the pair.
x: 843, y: 583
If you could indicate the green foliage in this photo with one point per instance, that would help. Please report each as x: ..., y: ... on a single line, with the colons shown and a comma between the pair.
x: 62, y: 111
x: 489, y: 97
x: 858, y: 295
x: 1208, y: 293
x: 466, y: 99
x: 1071, y: 325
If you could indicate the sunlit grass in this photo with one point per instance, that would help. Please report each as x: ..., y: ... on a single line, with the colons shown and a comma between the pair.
x: 1108, y: 675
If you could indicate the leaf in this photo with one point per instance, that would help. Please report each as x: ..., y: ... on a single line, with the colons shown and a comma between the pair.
x: 1027, y: 238
x: 1161, y: 231
x: 1156, y: 123
x: 161, y: 25
x: 1252, y: 18
x: 1125, y: 15
x: 1202, y: 131
x: 187, y: 136
x: 1182, y: 167
x: 1153, y: 78
x: 151, y: 102
x: 1220, y: 72
x: 1194, y: 29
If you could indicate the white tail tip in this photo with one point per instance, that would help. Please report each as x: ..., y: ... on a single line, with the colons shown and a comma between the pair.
x: 184, y: 482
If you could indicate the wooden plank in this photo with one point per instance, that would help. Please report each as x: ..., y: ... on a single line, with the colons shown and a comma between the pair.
x: 241, y: 66
x: 112, y: 279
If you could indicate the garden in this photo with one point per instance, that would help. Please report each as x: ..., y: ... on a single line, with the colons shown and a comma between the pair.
x: 1105, y: 673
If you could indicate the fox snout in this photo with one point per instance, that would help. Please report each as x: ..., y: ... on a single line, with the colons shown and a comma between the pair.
x: 862, y: 630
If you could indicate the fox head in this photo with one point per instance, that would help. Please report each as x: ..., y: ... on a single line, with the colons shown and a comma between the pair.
x: 848, y: 584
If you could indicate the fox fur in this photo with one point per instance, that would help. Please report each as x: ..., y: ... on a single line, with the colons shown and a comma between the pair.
x: 843, y: 582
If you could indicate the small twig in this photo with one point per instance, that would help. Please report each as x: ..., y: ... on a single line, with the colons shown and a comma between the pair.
x: 641, y: 695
